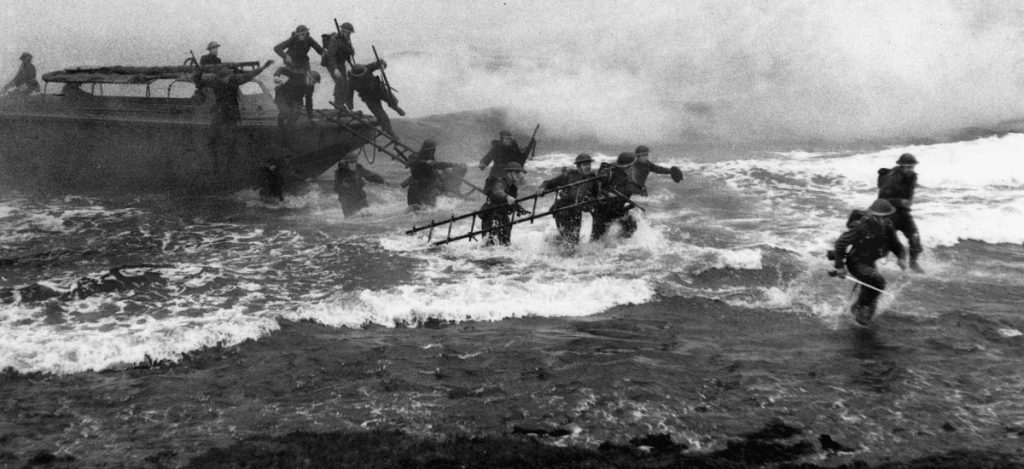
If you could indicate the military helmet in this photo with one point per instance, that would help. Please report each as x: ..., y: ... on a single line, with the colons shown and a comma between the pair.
x: 513, y: 166
x: 504, y: 133
x: 625, y: 159
x: 212, y: 45
x: 429, y: 144
x: 583, y: 158
x: 881, y: 207
x: 642, y: 150
x: 25, y: 55
x: 315, y: 75
x: 347, y: 27
x: 906, y: 158
x: 301, y: 29
x: 358, y: 70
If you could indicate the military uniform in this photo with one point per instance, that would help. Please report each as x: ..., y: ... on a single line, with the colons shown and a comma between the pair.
x: 501, y: 155
x: 897, y: 186
x: 348, y: 184
x: 288, y: 97
x: 620, y: 182
x: 339, y: 52
x: 870, y: 236
x: 497, y: 196
x: 24, y: 82
x: 424, y: 181
x: 295, y: 50
x: 645, y: 167
x: 569, y: 221
x: 372, y: 91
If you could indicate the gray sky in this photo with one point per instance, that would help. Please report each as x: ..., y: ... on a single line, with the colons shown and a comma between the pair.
x: 614, y: 69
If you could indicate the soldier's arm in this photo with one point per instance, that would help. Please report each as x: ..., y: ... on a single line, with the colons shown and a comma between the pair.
x: 560, y: 180
x: 316, y: 46
x: 331, y: 58
x: 280, y: 49
x: 489, y: 157
x: 659, y: 169
x: 529, y: 148
x: 842, y: 243
x: 370, y: 175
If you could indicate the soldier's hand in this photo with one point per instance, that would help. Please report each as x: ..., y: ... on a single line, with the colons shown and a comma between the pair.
x: 482, y: 166
x: 383, y: 64
x: 269, y: 63
x: 677, y: 174
x: 841, y: 272
x: 902, y: 263
x: 511, y: 200
x: 336, y: 74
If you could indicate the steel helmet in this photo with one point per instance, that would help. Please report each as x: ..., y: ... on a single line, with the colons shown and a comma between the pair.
x: 642, y: 150
x: 347, y: 27
x: 906, y: 158
x: 301, y: 29
x: 429, y: 144
x: 881, y: 207
x: 504, y: 133
x: 625, y: 160
x: 583, y: 158
x: 212, y: 45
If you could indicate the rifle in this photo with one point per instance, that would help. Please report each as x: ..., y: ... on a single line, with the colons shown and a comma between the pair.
x: 194, y: 61
x: 351, y: 60
x: 533, y: 138
x: 382, y: 74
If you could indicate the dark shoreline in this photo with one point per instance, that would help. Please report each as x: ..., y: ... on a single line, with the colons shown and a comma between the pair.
x: 685, y: 379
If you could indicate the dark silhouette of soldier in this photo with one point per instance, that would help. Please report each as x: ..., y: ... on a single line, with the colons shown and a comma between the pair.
x: 24, y: 82
x: 295, y: 53
x: 348, y: 184
x: 501, y: 195
x: 568, y: 221
x: 897, y: 185
x: 372, y: 91
x: 425, y: 182
x: 504, y: 151
x: 226, y: 113
x: 339, y: 53
x: 644, y: 167
x: 870, y: 236
x: 211, y: 58
x: 619, y: 181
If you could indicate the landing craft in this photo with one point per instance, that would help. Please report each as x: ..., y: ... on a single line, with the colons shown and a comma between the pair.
x: 140, y: 129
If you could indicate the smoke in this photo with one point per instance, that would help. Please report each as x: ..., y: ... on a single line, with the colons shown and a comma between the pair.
x: 615, y: 71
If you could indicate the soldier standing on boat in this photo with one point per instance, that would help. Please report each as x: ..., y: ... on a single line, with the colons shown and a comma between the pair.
x: 504, y: 151
x: 349, y: 182
x: 425, y: 181
x: 502, y: 193
x: 569, y: 221
x: 644, y: 166
x: 288, y: 94
x: 295, y: 53
x: 339, y: 54
x: 210, y: 58
x: 619, y: 181
x: 870, y: 236
x: 372, y: 91
x: 24, y: 81
x: 226, y: 113
x: 897, y: 185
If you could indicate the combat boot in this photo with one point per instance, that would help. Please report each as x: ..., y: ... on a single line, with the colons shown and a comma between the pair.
x: 915, y: 266
x: 862, y: 314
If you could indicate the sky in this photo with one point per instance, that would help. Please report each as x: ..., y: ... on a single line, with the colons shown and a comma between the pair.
x: 616, y: 70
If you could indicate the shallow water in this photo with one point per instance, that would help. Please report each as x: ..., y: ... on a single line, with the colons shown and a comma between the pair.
x: 126, y: 317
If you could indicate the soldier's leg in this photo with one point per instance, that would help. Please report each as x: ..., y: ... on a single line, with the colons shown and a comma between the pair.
x: 505, y: 233
x: 486, y: 223
x: 393, y: 103
x: 599, y: 224
x: 864, y: 309
x: 382, y: 117
x: 341, y: 91
x: 571, y: 232
x: 909, y: 229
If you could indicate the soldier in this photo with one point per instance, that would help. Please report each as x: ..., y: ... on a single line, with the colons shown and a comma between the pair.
x: 211, y: 58
x: 870, y: 236
x: 896, y: 185
x: 348, y: 184
x: 619, y: 182
x: 569, y: 221
x: 226, y: 113
x: 504, y: 151
x: 502, y: 193
x: 339, y: 53
x: 644, y: 167
x: 24, y: 82
x: 295, y: 53
x: 425, y: 182
x: 372, y: 91
x: 288, y: 94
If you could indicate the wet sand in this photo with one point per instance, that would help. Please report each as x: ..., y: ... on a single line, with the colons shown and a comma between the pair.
x: 676, y: 382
